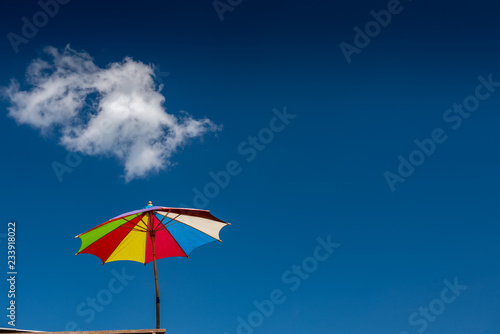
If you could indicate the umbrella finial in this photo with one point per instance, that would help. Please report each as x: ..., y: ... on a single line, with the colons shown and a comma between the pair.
x: 149, y: 203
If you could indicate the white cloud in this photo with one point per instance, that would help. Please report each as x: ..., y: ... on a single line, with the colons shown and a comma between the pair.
x: 113, y: 111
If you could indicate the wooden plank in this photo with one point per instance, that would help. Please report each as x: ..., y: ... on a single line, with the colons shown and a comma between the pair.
x: 131, y: 331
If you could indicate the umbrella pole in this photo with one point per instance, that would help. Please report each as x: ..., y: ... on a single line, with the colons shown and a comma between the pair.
x: 156, y: 282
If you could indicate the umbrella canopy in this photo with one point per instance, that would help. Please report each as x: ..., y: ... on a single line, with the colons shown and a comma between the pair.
x: 152, y: 233
x: 127, y: 237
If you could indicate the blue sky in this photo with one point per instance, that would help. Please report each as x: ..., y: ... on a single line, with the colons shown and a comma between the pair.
x: 409, y: 257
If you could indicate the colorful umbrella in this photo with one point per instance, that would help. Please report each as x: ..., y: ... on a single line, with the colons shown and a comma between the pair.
x: 149, y: 234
